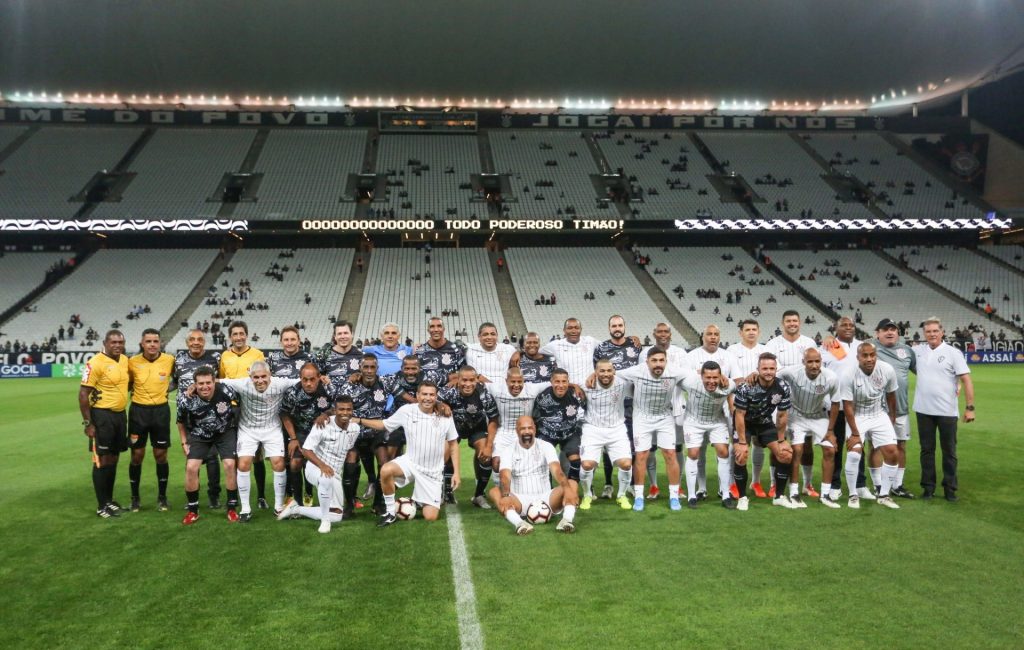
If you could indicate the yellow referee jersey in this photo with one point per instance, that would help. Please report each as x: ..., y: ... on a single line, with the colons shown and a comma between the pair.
x: 110, y: 379
x: 236, y: 366
x: 150, y: 379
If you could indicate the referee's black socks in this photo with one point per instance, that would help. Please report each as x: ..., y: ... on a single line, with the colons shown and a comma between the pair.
x: 99, y: 484
x: 193, y: 500
x: 134, y: 478
x: 163, y: 471
x: 259, y: 472
x: 483, y: 477
x: 449, y: 472
x: 349, y: 483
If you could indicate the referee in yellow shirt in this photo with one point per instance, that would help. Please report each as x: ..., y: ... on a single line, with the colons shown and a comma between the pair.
x: 150, y: 416
x: 102, y: 399
x: 234, y: 364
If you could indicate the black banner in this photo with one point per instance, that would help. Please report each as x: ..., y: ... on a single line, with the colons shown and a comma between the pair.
x: 961, y: 154
x: 487, y: 118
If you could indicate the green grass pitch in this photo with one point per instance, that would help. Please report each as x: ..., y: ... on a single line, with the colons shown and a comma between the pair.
x: 931, y: 575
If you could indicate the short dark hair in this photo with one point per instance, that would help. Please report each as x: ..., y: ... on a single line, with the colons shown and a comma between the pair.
x: 204, y: 371
x: 150, y: 330
x: 344, y: 399
x: 484, y: 326
x: 790, y: 312
x: 238, y: 323
x: 343, y: 323
x: 749, y: 321
x: 710, y: 365
x: 106, y: 337
x: 766, y: 356
x: 426, y: 384
x: 657, y: 349
x: 290, y: 328
x: 369, y: 356
x: 310, y: 364
x: 559, y: 371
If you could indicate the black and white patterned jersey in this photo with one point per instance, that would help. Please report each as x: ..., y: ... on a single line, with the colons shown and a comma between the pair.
x: 304, y: 408
x: 448, y: 358
x: 332, y: 443
x: 397, y: 385
x: 530, y: 468
x: 760, y: 402
x: 471, y: 413
x: 426, y: 437
x: 536, y: 371
x: 185, y: 366
x: 368, y: 402
x: 206, y: 419
x: 555, y: 418
x: 606, y: 407
x: 339, y: 366
x: 622, y: 356
x: 288, y: 367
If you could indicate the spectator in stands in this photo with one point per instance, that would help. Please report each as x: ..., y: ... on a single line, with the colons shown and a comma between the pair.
x: 60, y: 333
x: 501, y: 264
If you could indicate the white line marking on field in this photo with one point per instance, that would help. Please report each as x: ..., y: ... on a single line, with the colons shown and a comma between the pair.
x: 470, y: 634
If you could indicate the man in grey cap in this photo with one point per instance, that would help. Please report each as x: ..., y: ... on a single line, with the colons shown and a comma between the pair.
x: 901, y: 357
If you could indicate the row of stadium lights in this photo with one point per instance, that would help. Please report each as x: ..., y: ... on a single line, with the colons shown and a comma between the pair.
x: 433, y: 102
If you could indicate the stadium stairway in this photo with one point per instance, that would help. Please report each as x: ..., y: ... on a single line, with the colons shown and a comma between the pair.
x: 982, y: 316
x: 816, y: 157
x: 682, y: 327
x: 44, y: 288
x: 196, y: 296
x: 483, y: 143
x: 17, y: 142
x: 248, y: 166
x: 511, y: 312
x: 704, y: 150
x: 938, y: 173
x: 604, y: 168
x: 121, y: 166
x: 369, y: 167
x: 353, y: 298
x: 998, y: 262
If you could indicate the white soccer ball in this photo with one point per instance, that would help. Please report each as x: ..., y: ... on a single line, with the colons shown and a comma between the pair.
x: 405, y: 508
x: 538, y: 512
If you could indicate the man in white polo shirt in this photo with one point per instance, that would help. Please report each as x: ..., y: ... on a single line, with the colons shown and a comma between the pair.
x: 940, y: 370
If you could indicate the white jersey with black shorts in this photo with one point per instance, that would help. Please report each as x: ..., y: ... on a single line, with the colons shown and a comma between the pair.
x: 426, y: 436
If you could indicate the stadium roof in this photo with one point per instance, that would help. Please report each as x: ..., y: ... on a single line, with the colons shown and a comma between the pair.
x: 895, y: 53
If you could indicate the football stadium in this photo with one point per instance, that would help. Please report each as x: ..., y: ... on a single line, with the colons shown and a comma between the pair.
x: 511, y: 325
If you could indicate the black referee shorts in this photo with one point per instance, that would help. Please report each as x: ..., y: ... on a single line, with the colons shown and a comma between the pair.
x: 149, y: 422
x: 570, y: 446
x: 111, y: 432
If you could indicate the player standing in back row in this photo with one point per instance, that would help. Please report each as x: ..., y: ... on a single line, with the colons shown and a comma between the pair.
x: 186, y: 362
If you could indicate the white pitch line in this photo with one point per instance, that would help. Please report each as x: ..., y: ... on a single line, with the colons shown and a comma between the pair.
x: 471, y: 637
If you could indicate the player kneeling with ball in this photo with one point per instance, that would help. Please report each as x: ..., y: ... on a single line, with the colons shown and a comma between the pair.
x: 526, y: 486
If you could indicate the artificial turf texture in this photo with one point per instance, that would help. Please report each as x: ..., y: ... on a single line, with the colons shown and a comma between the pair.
x: 930, y: 575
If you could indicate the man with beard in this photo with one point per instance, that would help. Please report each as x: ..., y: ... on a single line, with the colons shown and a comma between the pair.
x: 708, y: 351
x: 476, y: 421
x: 676, y: 357
x: 558, y: 415
x: 839, y: 354
x: 604, y: 431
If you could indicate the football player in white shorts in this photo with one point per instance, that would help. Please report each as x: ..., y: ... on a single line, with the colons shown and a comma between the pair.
x: 705, y: 419
x: 869, y: 402
x: 604, y: 429
x: 524, y: 477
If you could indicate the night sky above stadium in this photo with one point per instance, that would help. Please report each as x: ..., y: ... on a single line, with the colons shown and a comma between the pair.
x: 742, y: 49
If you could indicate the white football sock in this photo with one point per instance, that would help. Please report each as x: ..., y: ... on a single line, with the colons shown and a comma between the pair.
x: 638, y: 491
x: 652, y: 469
x: 876, y: 476
x: 389, y: 503
x: 702, y: 465
x: 513, y: 517
x: 280, y: 485
x: 794, y: 489
x: 586, y: 479
x: 673, y: 491
x: 852, y: 463
x: 899, y: 476
x: 244, y: 487
x: 826, y: 487
x: 807, y: 473
x: 325, y: 492
x: 724, y: 476
x: 625, y: 477
x: 888, y: 479
x: 691, y: 477
x: 569, y: 513
x: 310, y: 512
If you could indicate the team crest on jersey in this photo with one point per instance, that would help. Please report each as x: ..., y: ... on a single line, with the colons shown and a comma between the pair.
x: 378, y: 395
x: 471, y: 408
x: 446, y: 359
x: 776, y: 398
x: 630, y: 352
x: 353, y: 364
x: 401, y: 354
x: 941, y: 358
x: 877, y: 381
x: 819, y: 389
x: 542, y: 371
x: 901, y: 353
x: 222, y: 408
x: 570, y: 410
x: 321, y: 403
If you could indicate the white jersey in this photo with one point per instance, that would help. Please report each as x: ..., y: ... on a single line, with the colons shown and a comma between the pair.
x: 678, y: 362
x: 332, y: 443
x: 511, y: 407
x: 575, y: 358
x: 492, y: 364
x: 260, y: 410
x: 703, y: 407
x: 811, y: 398
x: 835, y: 364
x: 697, y: 357
x: 531, y: 468
x: 744, y: 359
x: 652, y: 396
x: 790, y: 353
x: 426, y: 437
x: 937, y: 375
x: 606, y: 406
x: 867, y: 392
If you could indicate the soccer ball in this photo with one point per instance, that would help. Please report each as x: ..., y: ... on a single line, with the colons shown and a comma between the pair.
x: 538, y: 512
x: 405, y: 508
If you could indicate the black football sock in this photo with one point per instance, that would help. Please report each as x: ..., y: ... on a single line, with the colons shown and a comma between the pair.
x: 367, y: 459
x: 349, y: 483
x: 111, y: 479
x: 259, y: 471
x: 134, y: 478
x: 483, y: 477
x: 574, y: 470
x: 739, y: 474
x: 99, y: 482
x: 607, y: 468
x: 163, y: 471
x: 232, y: 499
x: 213, y: 478
x: 310, y: 488
x: 781, y: 480
x: 449, y: 472
x: 193, y: 500
x: 295, y: 481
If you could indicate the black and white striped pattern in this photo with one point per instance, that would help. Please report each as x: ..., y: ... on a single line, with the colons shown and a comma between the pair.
x: 744, y: 359
x: 703, y: 407
x: 493, y: 364
x: 331, y: 443
x: 576, y: 359
x: 811, y: 398
x: 260, y: 410
x: 699, y: 356
x: 790, y: 353
x: 531, y: 468
x: 511, y: 407
x: 652, y: 396
x: 606, y: 406
x: 426, y: 436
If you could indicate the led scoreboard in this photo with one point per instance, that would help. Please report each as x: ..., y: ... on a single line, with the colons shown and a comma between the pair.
x: 427, y: 121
